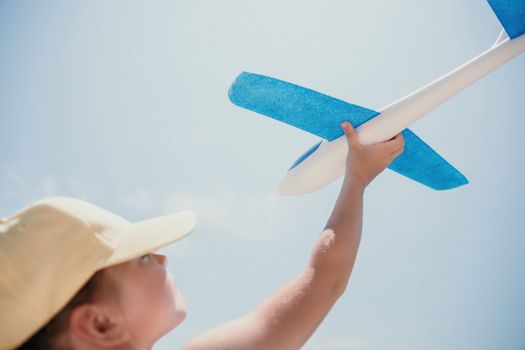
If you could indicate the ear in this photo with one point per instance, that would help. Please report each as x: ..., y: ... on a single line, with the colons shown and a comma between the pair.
x: 97, y: 325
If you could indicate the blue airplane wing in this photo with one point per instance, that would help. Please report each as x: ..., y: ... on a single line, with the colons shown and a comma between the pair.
x: 511, y: 14
x: 303, y: 108
x: 321, y: 115
x: 421, y: 163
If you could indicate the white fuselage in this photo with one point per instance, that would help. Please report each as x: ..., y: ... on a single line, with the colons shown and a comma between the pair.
x: 327, y: 163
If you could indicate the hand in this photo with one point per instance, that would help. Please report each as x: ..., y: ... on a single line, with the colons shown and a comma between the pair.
x: 364, y: 163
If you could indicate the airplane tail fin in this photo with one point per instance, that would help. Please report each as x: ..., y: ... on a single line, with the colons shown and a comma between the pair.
x: 511, y: 14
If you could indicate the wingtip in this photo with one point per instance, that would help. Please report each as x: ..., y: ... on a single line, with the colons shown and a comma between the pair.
x: 450, y: 186
x: 233, y: 93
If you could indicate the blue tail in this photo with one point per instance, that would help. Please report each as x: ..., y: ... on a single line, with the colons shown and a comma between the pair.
x: 511, y: 14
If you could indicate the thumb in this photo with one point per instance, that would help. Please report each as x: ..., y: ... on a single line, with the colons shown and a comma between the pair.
x: 351, y: 135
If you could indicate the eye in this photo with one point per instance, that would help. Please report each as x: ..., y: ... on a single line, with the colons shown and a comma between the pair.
x: 146, y: 258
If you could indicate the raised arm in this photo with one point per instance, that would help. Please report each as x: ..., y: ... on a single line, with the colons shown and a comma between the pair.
x: 289, y: 317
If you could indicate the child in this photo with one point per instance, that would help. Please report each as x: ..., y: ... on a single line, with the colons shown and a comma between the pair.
x: 75, y: 276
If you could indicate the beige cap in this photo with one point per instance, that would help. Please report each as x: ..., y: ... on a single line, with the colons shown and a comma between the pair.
x: 51, y: 248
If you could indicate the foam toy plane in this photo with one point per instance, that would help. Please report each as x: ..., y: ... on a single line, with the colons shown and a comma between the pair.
x: 321, y: 115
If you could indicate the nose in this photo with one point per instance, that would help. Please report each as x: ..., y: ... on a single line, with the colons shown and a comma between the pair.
x: 161, y: 259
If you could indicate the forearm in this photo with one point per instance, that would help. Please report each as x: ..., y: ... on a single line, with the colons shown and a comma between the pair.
x: 335, y: 251
x: 288, y: 318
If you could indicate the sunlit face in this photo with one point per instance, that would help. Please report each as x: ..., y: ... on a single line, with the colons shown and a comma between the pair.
x: 148, y: 299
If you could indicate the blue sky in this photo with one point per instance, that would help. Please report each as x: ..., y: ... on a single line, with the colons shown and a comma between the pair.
x: 124, y: 104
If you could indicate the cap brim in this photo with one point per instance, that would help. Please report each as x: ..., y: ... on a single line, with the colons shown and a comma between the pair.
x: 147, y: 236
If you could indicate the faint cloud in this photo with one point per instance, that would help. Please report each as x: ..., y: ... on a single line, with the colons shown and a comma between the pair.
x: 187, y: 249
x: 76, y: 188
x: 139, y: 200
x: 14, y: 180
x: 47, y: 186
x: 19, y: 187
x: 245, y: 216
x: 19, y: 190
x: 240, y: 215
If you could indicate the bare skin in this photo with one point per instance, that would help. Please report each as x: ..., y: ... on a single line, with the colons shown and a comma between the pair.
x: 140, y: 302
x: 289, y: 317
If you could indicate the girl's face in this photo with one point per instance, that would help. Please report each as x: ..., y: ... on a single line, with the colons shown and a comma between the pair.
x: 149, y: 301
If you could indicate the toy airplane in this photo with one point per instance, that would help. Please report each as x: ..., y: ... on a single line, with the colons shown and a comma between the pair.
x: 321, y: 115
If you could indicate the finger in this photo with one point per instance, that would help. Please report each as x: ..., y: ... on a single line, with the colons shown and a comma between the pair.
x: 398, y: 150
x: 396, y: 153
x: 399, y: 139
x: 350, y: 134
x: 396, y: 143
x: 399, y: 136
